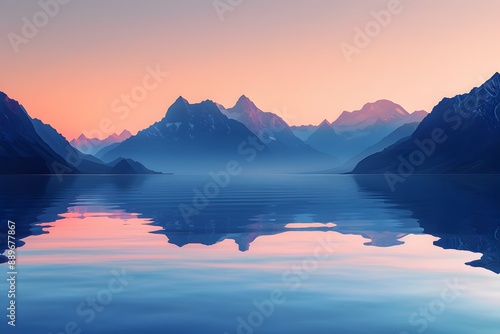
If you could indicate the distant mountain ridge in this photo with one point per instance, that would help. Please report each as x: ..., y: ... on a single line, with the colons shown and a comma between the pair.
x: 401, y: 133
x: 354, y: 132
x: 85, y: 163
x: 304, y: 132
x: 22, y: 150
x: 273, y: 131
x: 94, y: 145
x: 205, y: 137
x: 381, y: 111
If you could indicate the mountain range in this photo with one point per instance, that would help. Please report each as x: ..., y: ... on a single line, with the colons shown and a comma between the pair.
x: 22, y: 151
x: 376, y: 113
x: 277, y: 135
x: 95, y: 145
x: 29, y: 146
x: 199, y: 138
x: 190, y: 138
x: 204, y: 137
x: 460, y: 135
x: 354, y: 132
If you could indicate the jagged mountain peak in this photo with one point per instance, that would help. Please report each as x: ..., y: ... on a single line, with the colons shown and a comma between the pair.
x: 492, y: 85
x: 125, y: 134
x: 181, y: 111
x: 243, y: 98
x: 245, y: 105
x: 12, y: 105
x: 495, y: 76
x: 81, y: 137
x: 325, y: 123
x: 258, y: 121
x: 182, y: 100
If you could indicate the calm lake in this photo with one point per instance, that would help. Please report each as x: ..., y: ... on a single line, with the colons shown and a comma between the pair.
x: 258, y: 254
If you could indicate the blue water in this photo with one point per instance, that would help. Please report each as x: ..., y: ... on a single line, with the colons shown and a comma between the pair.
x: 263, y: 254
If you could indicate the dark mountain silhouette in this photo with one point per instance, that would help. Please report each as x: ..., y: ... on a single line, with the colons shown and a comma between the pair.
x: 191, y: 138
x: 22, y: 150
x: 85, y: 163
x: 31, y: 147
x: 461, y: 135
x: 62, y: 147
x: 199, y: 138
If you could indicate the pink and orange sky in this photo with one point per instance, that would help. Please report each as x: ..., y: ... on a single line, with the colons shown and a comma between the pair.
x: 283, y: 54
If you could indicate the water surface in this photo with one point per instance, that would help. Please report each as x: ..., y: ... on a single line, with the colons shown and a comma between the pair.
x: 296, y: 254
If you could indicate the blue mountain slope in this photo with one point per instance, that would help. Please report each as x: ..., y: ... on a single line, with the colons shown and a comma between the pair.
x: 22, y: 150
x: 192, y: 138
x: 85, y: 163
x: 401, y: 133
x: 273, y: 131
x: 199, y: 138
x: 28, y: 146
x: 354, y: 132
x: 461, y: 135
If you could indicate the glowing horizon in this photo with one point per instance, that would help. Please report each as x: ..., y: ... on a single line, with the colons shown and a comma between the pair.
x: 287, y: 56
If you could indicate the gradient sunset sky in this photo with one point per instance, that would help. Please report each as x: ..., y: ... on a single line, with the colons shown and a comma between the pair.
x: 283, y: 54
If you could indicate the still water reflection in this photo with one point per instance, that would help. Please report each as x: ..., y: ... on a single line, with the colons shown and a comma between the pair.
x: 297, y: 254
